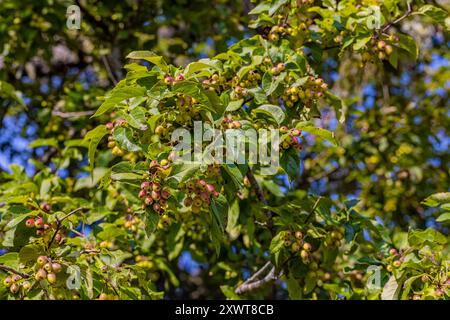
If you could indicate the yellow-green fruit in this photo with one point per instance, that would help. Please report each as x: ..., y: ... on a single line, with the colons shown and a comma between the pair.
x: 304, y: 254
x: 7, y: 282
x: 51, y: 278
x: 26, y: 285
x: 14, y: 288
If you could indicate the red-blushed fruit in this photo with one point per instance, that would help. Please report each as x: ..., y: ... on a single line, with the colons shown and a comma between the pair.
x: 16, y: 278
x: 41, y: 260
x: 14, y: 288
x: 417, y: 297
x: 46, y: 226
x: 307, y: 246
x: 7, y: 282
x: 439, y: 292
x: 157, y: 207
x: 298, y: 234
x: 216, y: 194
x: 145, y: 185
x: 397, y: 264
x: 103, y: 296
x: 142, y: 194
x: 40, y: 232
x: 204, y: 196
x: 284, y: 129
x: 40, y: 275
x: 30, y: 223
x: 51, y: 278
x: 46, y: 207
x: 26, y: 285
x: 168, y: 79
x: 148, y: 200
x: 58, y: 237
x: 210, y: 188
x: 109, y: 125
x: 381, y: 44
x: 393, y: 252
x: 39, y: 223
x: 165, y: 194
x: 180, y: 77
x: 202, y: 183
x: 296, y: 132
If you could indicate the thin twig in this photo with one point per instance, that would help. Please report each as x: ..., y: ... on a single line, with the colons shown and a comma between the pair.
x: 58, y: 224
x: 404, y: 16
x: 77, y: 114
x: 109, y: 70
x: 316, y: 204
x: 11, y: 270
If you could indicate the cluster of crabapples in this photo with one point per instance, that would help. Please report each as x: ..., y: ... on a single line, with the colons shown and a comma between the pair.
x: 15, y: 282
x: 282, y: 30
x: 295, y: 241
x: 48, y: 269
x: 42, y: 228
x: 198, y: 194
x: 229, y: 123
x: 152, y: 192
x: 291, y: 138
x: 381, y: 47
x: 116, y: 150
x: 394, y: 260
x: 313, y: 89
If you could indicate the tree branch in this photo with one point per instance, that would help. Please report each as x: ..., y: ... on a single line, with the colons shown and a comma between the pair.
x: 58, y: 224
x: 11, y: 270
x: 404, y: 16
x: 253, y: 285
x: 77, y: 114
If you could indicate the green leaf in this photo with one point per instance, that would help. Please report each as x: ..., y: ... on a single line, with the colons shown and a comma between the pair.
x: 136, y: 118
x: 361, y: 41
x: 10, y: 259
x: 294, y: 288
x: 272, y: 111
x: 94, y: 137
x: 50, y: 142
x: 277, y: 242
x: 290, y: 162
x: 443, y: 217
x: 408, y: 44
x: 30, y: 253
x: 118, y: 95
x: 234, y: 105
x: 419, y: 238
x: 437, y: 199
x: 150, y: 57
x: 319, y: 132
x: 194, y: 89
x: 390, y: 289
x: 435, y: 13
x: 124, y: 137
